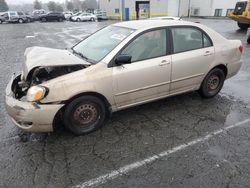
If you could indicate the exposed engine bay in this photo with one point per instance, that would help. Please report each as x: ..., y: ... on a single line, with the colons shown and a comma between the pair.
x: 39, y: 75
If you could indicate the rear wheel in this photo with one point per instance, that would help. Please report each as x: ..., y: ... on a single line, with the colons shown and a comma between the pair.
x: 92, y: 19
x: 44, y: 19
x: 213, y: 83
x: 243, y: 26
x: 84, y: 115
x: 28, y: 20
x: 78, y: 19
x: 60, y: 19
x: 20, y: 21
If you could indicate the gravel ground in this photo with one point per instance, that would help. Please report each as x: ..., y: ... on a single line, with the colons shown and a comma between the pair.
x: 61, y: 159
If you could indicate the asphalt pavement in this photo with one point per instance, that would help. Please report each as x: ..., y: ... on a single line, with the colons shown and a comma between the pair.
x: 181, y: 141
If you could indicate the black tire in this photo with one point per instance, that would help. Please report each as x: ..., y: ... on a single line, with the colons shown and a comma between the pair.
x: 78, y: 19
x: 92, y: 19
x: 20, y: 21
x: 212, y: 83
x: 84, y: 115
x: 28, y: 20
x: 44, y: 20
x: 1, y: 21
x: 243, y: 26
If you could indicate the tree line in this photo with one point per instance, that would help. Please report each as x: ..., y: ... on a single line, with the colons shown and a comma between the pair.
x: 70, y: 5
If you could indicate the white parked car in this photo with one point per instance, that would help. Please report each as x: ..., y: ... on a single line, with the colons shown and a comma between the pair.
x: 165, y: 18
x: 67, y: 15
x: 119, y: 66
x: 84, y: 17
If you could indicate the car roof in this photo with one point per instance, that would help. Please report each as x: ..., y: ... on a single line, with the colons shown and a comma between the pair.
x: 148, y: 24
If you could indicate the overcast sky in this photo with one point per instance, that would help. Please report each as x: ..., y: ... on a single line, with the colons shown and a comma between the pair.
x: 29, y: 1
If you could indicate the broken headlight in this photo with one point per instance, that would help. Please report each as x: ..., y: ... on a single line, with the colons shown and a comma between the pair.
x: 36, y: 93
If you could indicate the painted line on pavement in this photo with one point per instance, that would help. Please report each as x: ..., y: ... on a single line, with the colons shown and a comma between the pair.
x: 130, y: 167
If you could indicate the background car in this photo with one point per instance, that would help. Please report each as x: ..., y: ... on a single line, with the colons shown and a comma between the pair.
x: 30, y: 17
x: 73, y: 15
x: 52, y: 16
x: 67, y: 15
x: 85, y: 17
x: 15, y: 17
x: 101, y: 15
x: 2, y: 19
x: 37, y: 13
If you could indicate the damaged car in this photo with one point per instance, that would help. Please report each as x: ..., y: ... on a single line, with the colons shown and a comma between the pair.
x: 120, y: 66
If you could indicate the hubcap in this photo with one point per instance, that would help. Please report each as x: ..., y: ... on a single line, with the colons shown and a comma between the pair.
x: 213, y: 82
x: 86, y: 114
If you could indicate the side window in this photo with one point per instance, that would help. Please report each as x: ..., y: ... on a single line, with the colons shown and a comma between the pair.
x: 206, y: 40
x: 185, y: 39
x: 149, y: 45
x: 12, y: 14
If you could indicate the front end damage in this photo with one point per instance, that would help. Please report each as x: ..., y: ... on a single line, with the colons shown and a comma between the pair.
x: 35, y: 116
x: 28, y: 116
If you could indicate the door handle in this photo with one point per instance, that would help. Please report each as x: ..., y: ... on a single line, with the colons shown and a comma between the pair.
x: 164, y: 62
x: 207, y: 53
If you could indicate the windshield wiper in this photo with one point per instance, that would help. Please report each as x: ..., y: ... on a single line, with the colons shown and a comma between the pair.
x: 81, y: 55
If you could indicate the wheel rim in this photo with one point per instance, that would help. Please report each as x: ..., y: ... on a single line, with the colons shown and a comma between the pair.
x: 20, y: 21
x: 78, y: 20
x: 86, y: 115
x: 213, y: 83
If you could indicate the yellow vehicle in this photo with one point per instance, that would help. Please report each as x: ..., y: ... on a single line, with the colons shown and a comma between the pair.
x: 241, y: 14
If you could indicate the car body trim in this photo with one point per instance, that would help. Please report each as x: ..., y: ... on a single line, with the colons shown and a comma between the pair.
x: 143, y: 88
x: 188, y: 77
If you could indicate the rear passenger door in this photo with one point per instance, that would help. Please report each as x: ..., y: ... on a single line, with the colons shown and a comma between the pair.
x: 192, y: 55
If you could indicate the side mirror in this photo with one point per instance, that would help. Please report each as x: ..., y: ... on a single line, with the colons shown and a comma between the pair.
x: 123, y: 59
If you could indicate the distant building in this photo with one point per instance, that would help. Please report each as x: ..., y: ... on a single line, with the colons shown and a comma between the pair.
x: 139, y: 9
x: 212, y: 7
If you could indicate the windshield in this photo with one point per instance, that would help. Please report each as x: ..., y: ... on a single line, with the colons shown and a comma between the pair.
x: 98, y: 45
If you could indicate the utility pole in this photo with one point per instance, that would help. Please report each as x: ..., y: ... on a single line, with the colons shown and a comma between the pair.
x: 122, y: 5
x: 189, y: 8
x: 179, y: 8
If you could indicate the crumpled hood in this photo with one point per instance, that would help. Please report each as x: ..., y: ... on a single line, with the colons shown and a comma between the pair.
x: 46, y: 57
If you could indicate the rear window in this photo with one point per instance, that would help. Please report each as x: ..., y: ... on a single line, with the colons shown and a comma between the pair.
x: 188, y: 38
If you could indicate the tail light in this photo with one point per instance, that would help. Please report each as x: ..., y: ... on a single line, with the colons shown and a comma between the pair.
x: 241, y: 48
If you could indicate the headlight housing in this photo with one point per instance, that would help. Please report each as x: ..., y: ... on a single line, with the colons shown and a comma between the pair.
x: 36, y: 93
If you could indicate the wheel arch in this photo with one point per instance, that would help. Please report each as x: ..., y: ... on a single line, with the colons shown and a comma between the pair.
x: 222, y: 67
x: 57, y: 119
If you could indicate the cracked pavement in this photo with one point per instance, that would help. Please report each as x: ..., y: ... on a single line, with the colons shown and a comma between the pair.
x: 60, y: 159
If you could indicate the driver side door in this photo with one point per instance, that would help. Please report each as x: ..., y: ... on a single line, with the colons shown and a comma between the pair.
x: 148, y: 76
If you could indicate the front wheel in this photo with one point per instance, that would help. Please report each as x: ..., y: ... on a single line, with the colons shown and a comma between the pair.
x: 243, y: 26
x: 43, y: 19
x: 92, y: 19
x: 1, y: 21
x: 78, y: 20
x: 212, y: 83
x: 20, y: 21
x: 84, y: 115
